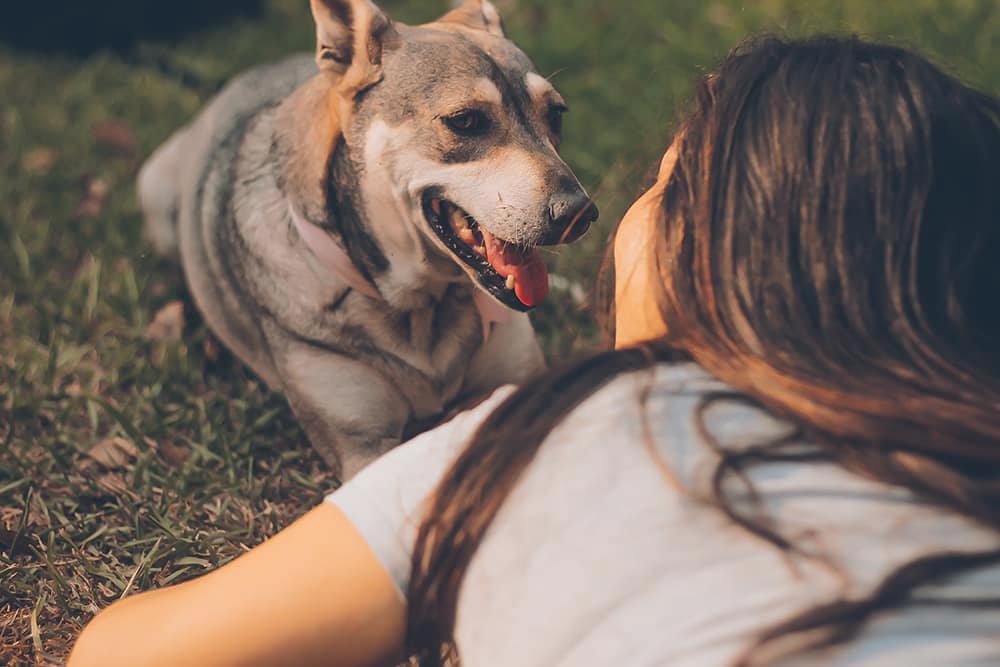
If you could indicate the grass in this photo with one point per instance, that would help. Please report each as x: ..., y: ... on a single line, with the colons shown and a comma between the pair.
x: 133, y: 457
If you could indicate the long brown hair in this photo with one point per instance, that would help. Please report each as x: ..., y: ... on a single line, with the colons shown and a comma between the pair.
x: 828, y: 249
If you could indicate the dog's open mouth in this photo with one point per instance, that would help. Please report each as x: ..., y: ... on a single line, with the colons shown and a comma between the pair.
x: 514, y: 274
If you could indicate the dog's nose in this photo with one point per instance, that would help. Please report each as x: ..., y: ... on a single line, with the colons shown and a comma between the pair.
x: 570, y: 216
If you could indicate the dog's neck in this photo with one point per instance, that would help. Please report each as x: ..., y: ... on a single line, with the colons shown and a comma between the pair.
x: 306, y: 130
x: 314, y: 171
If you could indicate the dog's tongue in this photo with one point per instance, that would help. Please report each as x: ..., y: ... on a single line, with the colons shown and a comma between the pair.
x: 531, y: 278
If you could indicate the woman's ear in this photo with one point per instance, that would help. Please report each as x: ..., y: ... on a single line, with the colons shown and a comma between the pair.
x: 476, y: 14
x: 350, y: 37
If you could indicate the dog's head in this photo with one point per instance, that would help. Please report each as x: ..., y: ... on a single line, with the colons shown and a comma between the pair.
x: 455, y: 138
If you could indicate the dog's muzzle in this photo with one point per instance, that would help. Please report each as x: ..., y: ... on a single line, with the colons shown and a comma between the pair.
x: 570, y: 216
x: 512, y: 273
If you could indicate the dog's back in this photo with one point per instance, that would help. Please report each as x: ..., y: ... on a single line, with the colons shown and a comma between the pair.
x: 169, y: 182
x: 186, y: 188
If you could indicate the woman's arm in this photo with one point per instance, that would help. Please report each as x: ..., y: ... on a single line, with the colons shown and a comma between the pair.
x: 315, y: 594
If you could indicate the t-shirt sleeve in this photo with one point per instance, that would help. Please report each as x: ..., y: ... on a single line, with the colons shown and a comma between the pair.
x: 385, y: 501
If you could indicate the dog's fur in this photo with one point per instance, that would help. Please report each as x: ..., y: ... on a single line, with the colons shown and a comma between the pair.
x: 361, y: 147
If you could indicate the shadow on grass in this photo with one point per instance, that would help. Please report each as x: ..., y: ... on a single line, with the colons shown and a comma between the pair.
x: 80, y: 28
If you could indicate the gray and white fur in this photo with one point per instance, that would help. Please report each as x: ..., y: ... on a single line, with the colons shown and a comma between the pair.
x: 358, y: 146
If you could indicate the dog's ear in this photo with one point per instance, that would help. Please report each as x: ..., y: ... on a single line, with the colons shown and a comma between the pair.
x: 476, y: 14
x: 350, y: 37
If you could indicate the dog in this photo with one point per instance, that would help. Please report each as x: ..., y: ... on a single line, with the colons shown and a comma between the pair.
x: 361, y: 225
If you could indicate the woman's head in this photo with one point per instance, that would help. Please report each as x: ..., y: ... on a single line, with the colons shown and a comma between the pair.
x: 821, y: 238
x: 823, y: 232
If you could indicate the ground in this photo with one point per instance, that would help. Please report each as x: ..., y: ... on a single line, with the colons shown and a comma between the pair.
x: 136, y: 453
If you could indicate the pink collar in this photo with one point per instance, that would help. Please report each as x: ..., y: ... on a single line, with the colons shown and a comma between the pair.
x: 332, y: 256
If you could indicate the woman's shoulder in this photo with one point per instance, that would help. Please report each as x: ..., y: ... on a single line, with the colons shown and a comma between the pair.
x: 680, y: 407
x: 658, y: 389
x: 673, y: 377
x: 673, y: 388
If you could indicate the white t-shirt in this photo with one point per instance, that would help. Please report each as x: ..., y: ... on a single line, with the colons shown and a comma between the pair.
x: 597, y: 558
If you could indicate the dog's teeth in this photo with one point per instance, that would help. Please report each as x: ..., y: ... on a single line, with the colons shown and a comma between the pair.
x: 481, y: 249
x: 467, y: 236
x: 511, y: 281
x: 458, y: 220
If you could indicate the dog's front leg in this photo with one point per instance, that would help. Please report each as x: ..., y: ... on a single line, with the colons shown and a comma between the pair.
x: 511, y: 355
x: 351, y: 413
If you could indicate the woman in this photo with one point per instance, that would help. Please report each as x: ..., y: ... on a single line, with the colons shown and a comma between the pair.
x: 817, y: 484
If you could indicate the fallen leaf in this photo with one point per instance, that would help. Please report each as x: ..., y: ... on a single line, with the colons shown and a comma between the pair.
x: 97, y: 188
x: 95, y: 199
x: 113, y: 453
x: 169, y: 451
x: 174, y: 454
x: 167, y: 324
x: 40, y: 160
x: 116, y: 136
x: 211, y: 348
x: 112, y: 483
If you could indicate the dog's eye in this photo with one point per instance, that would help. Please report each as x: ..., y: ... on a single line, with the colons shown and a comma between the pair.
x: 556, y: 112
x: 468, y: 123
